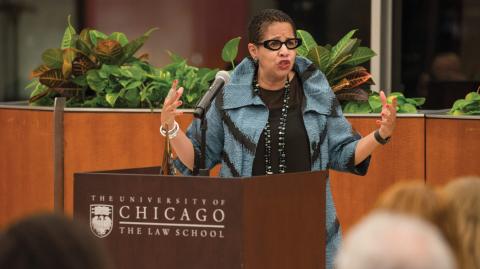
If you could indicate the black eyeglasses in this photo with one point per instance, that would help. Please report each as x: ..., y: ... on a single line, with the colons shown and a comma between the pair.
x: 274, y: 44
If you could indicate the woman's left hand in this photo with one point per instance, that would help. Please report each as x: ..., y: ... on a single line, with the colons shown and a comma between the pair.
x: 389, y: 116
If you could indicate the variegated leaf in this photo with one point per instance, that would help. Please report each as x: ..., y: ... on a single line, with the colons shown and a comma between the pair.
x: 352, y: 95
x: 68, y: 56
x: 81, y: 64
x: 54, y: 79
x: 68, y: 40
x: 39, y: 71
x: 343, y: 47
x: 308, y: 43
x: 108, y: 50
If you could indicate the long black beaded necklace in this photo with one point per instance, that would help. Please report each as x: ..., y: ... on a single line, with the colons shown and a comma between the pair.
x: 282, y: 164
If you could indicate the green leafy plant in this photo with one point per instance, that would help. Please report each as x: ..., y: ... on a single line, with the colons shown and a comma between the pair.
x: 230, y: 51
x: 194, y: 80
x: 93, y: 69
x: 341, y: 64
x: 374, y: 104
x: 468, y: 106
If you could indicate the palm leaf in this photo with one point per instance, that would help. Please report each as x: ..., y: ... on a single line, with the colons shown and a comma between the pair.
x: 308, y: 43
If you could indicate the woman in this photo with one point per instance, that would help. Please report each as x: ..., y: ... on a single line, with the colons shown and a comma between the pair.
x: 277, y: 114
x: 461, y: 219
x: 413, y: 198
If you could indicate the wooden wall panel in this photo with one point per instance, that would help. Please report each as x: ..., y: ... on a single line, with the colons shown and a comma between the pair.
x: 26, y: 163
x: 105, y: 141
x: 453, y: 149
x: 401, y: 159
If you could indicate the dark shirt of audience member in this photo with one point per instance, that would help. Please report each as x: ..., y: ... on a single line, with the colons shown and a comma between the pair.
x: 50, y: 241
x: 461, y: 219
x: 412, y: 198
x: 385, y: 240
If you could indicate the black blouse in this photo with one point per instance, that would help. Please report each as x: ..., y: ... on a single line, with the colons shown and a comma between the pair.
x: 297, y: 144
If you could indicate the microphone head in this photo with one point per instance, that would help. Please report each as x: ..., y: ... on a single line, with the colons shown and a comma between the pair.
x: 224, y: 75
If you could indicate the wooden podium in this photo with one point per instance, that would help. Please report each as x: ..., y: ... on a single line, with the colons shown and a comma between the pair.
x: 153, y: 221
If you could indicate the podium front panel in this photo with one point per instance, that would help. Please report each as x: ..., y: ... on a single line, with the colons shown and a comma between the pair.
x: 150, y: 221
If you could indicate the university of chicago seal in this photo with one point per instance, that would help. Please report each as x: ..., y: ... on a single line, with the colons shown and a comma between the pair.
x: 101, y: 219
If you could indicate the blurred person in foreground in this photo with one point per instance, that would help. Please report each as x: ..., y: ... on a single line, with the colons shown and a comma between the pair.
x: 413, y: 198
x: 385, y: 240
x: 461, y: 219
x: 50, y: 241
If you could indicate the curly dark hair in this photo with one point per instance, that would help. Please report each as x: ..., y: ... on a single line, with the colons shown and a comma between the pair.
x: 266, y: 17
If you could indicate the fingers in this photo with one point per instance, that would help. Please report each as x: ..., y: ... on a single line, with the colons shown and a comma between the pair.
x: 174, y: 94
x: 383, y: 98
x: 179, y: 93
x: 394, y: 105
x: 171, y: 104
x: 172, y: 107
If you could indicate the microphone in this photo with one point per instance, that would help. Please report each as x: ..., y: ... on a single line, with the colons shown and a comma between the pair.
x: 221, y: 78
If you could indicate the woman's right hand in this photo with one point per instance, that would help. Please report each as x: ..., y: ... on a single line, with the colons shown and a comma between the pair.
x: 170, y: 105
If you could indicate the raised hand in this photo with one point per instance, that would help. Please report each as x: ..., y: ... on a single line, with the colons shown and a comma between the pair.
x: 170, y: 105
x: 389, y: 116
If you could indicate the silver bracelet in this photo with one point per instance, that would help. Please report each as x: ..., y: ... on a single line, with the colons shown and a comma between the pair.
x: 172, y: 133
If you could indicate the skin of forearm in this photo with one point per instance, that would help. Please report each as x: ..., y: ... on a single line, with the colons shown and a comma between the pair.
x: 365, y: 147
x: 183, y: 147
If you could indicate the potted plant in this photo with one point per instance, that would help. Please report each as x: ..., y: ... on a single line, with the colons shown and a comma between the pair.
x: 470, y: 105
x: 93, y: 69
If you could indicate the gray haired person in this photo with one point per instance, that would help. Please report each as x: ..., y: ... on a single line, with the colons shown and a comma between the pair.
x: 385, y: 240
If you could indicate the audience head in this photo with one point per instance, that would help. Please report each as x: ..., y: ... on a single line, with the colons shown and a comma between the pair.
x: 386, y: 240
x: 447, y: 67
x: 50, y: 241
x: 461, y: 219
x: 411, y: 198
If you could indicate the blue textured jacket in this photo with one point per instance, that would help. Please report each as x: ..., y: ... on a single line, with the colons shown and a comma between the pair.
x: 236, y: 120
